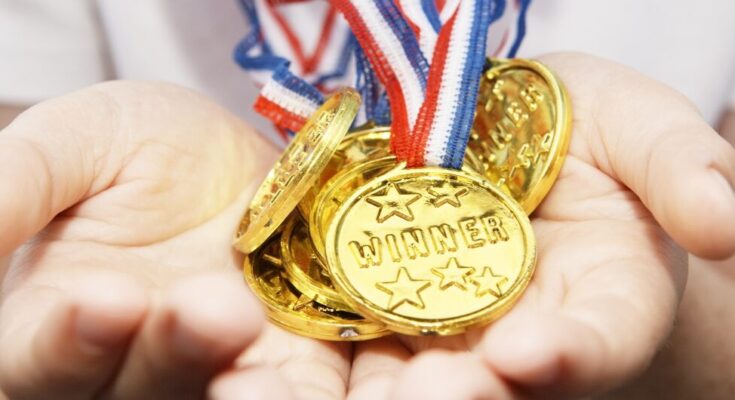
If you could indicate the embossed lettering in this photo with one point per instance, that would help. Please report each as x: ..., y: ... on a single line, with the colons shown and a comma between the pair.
x: 421, y: 242
x: 498, y: 89
x: 515, y: 112
x: 395, y: 252
x: 367, y: 255
x: 531, y: 97
x: 442, y: 237
x: 494, y: 229
x: 415, y: 243
x: 471, y: 233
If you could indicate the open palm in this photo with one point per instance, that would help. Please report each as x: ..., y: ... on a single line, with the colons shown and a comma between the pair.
x: 126, y: 196
x: 129, y: 287
x: 608, y: 278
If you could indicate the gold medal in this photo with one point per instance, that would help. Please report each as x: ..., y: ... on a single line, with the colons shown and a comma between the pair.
x: 338, y: 189
x: 521, y: 129
x: 290, y: 310
x: 304, y: 270
x: 368, y: 142
x: 430, y: 251
x: 298, y: 168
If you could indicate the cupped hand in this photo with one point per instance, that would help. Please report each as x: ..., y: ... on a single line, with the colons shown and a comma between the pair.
x: 643, y: 168
x: 123, y: 198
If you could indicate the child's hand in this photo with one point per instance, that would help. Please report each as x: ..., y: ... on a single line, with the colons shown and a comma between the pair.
x: 608, y: 279
x: 603, y: 299
x: 131, y: 289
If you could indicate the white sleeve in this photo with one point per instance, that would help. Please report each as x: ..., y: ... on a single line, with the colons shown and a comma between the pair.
x: 189, y: 43
x: 48, y: 48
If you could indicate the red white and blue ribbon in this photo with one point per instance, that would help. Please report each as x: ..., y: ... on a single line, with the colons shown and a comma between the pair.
x: 417, y: 65
x: 449, y: 108
x: 438, y: 134
x: 288, y: 98
x: 394, y: 53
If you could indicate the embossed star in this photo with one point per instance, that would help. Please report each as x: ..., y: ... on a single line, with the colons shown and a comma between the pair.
x: 453, y: 274
x: 446, y: 193
x: 488, y: 282
x: 542, y: 146
x: 404, y: 290
x: 393, y: 202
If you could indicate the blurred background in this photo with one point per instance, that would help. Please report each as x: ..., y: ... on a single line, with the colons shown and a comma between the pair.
x: 52, y: 47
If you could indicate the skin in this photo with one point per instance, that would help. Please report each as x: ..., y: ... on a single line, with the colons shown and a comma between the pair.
x: 701, y: 335
x: 8, y: 112
x: 126, y: 285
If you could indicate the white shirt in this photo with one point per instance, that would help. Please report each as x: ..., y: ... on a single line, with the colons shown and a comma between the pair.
x: 50, y: 47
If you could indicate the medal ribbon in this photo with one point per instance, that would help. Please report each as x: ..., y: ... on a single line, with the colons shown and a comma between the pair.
x: 397, y: 39
x: 286, y: 98
x: 394, y: 53
x: 438, y: 134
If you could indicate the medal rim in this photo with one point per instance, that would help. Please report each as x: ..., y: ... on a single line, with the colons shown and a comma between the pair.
x: 329, y: 328
x: 345, y: 104
x: 304, y: 283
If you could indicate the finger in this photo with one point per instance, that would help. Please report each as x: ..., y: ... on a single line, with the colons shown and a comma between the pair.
x: 48, y: 158
x: 655, y: 141
x: 594, y: 327
x: 143, y: 138
x: 447, y: 375
x: 315, y: 369
x: 199, y: 328
x: 254, y: 383
x: 67, y: 343
x: 375, y: 367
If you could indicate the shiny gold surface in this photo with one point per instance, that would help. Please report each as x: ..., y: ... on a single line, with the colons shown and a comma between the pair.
x: 289, y: 309
x: 339, y: 188
x: 430, y: 251
x: 521, y: 129
x: 298, y: 168
x: 304, y: 270
x: 365, y: 143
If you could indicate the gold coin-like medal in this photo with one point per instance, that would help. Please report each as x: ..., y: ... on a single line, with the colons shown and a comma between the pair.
x: 337, y: 190
x: 365, y: 143
x: 304, y: 270
x: 430, y: 251
x: 298, y: 168
x: 290, y: 310
x: 521, y: 129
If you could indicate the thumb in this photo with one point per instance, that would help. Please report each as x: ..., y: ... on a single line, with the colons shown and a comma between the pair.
x: 654, y: 140
x: 48, y: 160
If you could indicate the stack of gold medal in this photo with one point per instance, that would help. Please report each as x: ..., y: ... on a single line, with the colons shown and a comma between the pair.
x: 344, y: 243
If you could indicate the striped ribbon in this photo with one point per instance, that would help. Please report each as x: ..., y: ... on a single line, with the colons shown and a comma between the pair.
x: 438, y: 133
x: 417, y: 65
x: 449, y: 108
x: 394, y: 53
x: 288, y: 98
